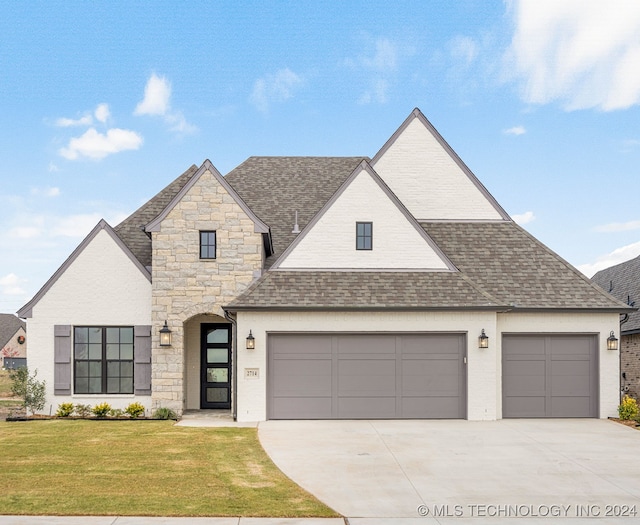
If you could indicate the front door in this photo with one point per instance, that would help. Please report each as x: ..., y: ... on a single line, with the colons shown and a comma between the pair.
x: 215, y: 390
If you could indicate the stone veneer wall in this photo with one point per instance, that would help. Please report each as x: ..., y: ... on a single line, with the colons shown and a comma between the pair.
x: 630, y: 363
x: 185, y: 286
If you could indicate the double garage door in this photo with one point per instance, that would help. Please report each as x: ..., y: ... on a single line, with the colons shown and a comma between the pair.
x: 549, y: 375
x: 366, y: 376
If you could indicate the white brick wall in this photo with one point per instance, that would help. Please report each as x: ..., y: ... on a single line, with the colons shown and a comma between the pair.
x: 428, y: 181
x: 481, y: 368
x: 101, y: 287
x: 484, y: 368
x: 331, y: 243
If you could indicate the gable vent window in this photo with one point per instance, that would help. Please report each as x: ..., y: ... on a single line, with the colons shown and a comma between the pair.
x: 208, y: 245
x: 364, y: 235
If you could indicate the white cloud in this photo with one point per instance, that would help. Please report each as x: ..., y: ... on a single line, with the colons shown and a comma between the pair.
x: 157, y: 94
x: 96, y: 146
x: 617, y: 256
x: 25, y: 232
x: 85, y: 120
x: 52, y: 167
x: 380, y: 63
x: 51, y: 191
x: 273, y: 88
x: 582, y: 53
x: 523, y: 218
x: 102, y: 113
x: 463, y: 49
x: 516, y: 130
x: 10, y: 284
x: 157, y: 103
x: 613, y: 227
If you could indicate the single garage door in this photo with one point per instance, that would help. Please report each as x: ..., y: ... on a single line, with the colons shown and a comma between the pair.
x: 549, y: 375
x: 366, y: 376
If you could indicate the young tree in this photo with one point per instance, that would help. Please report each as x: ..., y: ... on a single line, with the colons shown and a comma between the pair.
x: 28, y: 388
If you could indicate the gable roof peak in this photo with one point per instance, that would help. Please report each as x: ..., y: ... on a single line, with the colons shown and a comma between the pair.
x: 207, y: 165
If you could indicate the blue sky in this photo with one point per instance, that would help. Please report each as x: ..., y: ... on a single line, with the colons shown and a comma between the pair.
x: 103, y: 104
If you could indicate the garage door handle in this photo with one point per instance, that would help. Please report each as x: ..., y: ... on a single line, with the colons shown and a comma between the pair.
x: 464, y: 359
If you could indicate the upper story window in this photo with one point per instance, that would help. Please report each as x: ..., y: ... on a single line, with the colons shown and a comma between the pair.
x: 103, y: 359
x: 207, y: 245
x: 364, y: 235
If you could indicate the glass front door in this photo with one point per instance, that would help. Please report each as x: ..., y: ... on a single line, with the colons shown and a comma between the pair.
x: 215, y: 391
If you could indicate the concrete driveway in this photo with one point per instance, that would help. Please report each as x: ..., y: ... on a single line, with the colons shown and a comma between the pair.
x: 451, y: 470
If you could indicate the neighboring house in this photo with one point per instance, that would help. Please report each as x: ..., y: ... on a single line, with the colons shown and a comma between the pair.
x: 13, y: 342
x: 320, y: 287
x: 622, y: 281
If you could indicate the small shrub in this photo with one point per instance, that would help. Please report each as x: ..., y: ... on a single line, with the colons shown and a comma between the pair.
x: 164, y: 413
x: 101, y: 410
x: 628, y: 409
x: 25, y: 386
x: 82, y: 410
x: 64, y: 410
x: 135, y: 410
x: 116, y: 412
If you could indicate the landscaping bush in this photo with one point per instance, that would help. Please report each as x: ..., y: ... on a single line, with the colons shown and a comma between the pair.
x: 64, y: 410
x: 116, y: 412
x: 101, y: 410
x: 135, y: 410
x: 628, y: 409
x: 31, y: 391
x: 164, y: 413
x: 82, y: 410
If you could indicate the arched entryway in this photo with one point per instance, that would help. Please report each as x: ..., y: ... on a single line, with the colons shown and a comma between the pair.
x: 208, y: 362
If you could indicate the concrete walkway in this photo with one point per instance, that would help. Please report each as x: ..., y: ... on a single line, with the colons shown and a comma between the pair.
x: 450, y: 471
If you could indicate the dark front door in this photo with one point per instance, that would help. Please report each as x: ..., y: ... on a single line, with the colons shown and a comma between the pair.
x: 215, y: 378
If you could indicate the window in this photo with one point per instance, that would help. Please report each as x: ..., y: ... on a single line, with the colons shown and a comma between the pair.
x: 364, y: 235
x: 207, y: 245
x: 103, y: 359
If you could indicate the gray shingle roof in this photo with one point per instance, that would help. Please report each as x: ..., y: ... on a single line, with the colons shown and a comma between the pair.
x: 622, y: 281
x: 9, y: 325
x: 131, y: 230
x: 515, y: 268
x: 363, y: 290
x: 276, y: 187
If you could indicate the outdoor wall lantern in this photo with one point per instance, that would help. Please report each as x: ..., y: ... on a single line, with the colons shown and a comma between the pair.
x: 483, y: 340
x: 612, y: 342
x: 251, y: 341
x: 165, y: 335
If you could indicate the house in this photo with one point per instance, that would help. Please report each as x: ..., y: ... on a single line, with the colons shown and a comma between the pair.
x: 13, y: 342
x: 622, y: 281
x: 313, y: 287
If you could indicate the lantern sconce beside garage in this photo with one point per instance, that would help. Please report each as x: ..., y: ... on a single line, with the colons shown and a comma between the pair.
x: 612, y: 342
x: 251, y: 341
x: 483, y: 340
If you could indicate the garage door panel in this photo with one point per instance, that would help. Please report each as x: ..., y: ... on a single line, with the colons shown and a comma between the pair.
x: 570, y: 407
x: 366, y: 344
x: 561, y: 382
x: 367, y: 407
x: 301, y: 408
x: 298, y: 344
x: 367, y: 376
x: 525, y: 406
x: 442, y: 344
x: 431, y: 407
x: 302, y: 378
x: 421, y: 379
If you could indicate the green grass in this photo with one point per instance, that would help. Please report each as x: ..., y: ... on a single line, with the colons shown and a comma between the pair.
x: 9, y: 402
x: 146, y: 468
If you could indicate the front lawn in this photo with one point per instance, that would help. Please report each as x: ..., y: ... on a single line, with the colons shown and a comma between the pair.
x: 5, y: 384
x: 146, y: 468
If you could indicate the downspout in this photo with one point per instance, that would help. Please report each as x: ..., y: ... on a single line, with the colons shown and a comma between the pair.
x: 234, y: 360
